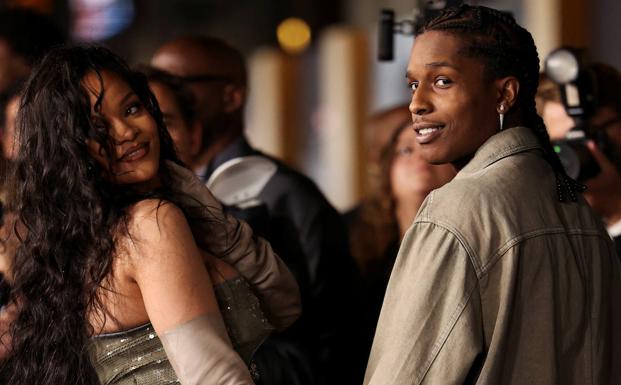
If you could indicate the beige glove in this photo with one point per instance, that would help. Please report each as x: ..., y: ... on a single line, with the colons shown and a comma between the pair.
x: 200, y: 352
x: 232, y: 240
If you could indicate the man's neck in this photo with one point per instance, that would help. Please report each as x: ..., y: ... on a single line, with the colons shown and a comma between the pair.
x: 202, y: 159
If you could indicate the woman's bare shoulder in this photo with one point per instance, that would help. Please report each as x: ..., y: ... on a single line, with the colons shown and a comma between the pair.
x: 153, y: 224
x: 153, y: 210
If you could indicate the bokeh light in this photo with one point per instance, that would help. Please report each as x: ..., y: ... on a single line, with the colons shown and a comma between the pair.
x: 97, y: 20
x: 294, y: 35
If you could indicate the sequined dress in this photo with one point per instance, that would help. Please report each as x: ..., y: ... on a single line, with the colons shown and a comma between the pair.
x: 136, y: 356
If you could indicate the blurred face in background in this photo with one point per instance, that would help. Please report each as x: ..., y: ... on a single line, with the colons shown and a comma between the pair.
x: 9, y: 149
x: 178, y: 127
x: 205, y: 78
x: 557, y: 122
x: 411, y: 175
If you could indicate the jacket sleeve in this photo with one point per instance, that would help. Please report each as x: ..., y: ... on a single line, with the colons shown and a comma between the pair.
x: 430, y: 327
x: 233, y: 241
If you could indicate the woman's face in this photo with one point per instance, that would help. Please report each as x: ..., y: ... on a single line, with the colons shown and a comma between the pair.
x: 132, y: 130
x: 453, y: 106
x: 410, y: 174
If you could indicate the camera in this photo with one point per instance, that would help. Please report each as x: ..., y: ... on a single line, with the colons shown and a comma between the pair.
x: 578, y: 89
x: 423, y: 11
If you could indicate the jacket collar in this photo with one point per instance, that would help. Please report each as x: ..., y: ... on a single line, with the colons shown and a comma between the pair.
x: 501, y: 145
x: 237, y: 148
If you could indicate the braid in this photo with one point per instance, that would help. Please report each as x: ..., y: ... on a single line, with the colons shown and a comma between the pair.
x: 507, y: 50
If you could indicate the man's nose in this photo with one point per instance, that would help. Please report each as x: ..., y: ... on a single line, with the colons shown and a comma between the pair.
x: 420, y: 103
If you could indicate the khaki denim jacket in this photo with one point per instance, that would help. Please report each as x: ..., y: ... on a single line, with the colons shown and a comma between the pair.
x: 497, y: 282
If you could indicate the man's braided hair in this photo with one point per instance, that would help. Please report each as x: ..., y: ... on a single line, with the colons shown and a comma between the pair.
x: 507, y: 49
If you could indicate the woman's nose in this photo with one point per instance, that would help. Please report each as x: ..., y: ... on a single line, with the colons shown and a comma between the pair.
x: 122, y: 131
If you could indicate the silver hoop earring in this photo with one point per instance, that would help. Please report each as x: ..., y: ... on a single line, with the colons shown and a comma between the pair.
x: 501, y: 115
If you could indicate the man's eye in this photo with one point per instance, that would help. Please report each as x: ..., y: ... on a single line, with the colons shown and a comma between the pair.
x: 413, y: 85
x: 443, y: 82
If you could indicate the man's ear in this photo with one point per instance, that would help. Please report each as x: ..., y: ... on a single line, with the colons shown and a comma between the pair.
x: 196, y: 138
x: 508, y: 89
x: 234, y: 97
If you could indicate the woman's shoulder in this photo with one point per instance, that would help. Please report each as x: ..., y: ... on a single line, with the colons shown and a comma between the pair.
x: 153, y: 210
x: 154, y: 223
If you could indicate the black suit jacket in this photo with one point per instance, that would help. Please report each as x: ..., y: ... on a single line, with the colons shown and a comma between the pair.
x: 311, y: 238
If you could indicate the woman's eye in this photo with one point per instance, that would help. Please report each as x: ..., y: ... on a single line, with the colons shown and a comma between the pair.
x: 404, y: 151
x: 443, y: 82
x: 413, y: 86
x: 133, y: 109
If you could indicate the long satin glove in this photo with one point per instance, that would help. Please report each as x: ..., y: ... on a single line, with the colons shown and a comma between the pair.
x: 200, y: 352
x: 232, y: 240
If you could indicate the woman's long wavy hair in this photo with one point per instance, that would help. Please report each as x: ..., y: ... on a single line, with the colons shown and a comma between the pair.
x: 72, y: 212
x: 506, y: 49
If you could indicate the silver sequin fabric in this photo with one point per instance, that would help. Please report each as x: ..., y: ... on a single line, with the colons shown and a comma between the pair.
x: 137, y: 356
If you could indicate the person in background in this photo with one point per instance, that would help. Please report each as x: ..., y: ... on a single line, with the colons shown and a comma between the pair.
x: 177, y: 106
x: 9, y: 105
x: 402, y: 181
x: 320, y: 348
x: 506, y: 275
x: 604, y: 190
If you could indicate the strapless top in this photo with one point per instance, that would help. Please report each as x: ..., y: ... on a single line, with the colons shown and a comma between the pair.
x: 136, y: 356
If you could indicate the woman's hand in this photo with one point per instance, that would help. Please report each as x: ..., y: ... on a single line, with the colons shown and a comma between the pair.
x: 219, y: 271
x: 232, y: 241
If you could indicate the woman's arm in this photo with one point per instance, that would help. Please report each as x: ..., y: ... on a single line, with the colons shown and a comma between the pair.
x: 233, y: 241
x: 178, y: 295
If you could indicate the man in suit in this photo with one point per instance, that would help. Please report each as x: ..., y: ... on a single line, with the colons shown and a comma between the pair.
x: 304, y: 229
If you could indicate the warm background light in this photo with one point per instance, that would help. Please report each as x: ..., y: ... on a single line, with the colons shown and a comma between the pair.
x: 294, y: 35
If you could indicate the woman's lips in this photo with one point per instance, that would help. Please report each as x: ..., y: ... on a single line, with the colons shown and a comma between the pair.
x: 427, y: 132
x: 135, y: 153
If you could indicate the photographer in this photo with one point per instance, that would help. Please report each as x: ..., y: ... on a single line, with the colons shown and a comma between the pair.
x: 604, y: 190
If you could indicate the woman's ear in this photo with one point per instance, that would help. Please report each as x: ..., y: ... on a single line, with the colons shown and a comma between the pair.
x: 508, y: 89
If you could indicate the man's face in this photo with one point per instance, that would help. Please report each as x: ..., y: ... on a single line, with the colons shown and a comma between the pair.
x: 177, y: 126
x: 208, y: 94
x: 453, y: 107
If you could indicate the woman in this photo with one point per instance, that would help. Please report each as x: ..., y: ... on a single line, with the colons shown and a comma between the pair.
x: 108, y: 258
x: 404, y: 179
x: 506, y: 276
x: 399, y: 183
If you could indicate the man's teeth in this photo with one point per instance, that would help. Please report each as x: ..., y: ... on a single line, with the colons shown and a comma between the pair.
x: 427, y: 131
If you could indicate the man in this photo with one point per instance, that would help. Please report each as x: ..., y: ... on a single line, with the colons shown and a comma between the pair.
x: 604, y: 190
x: 177, y: 106
x: 302, y: 226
